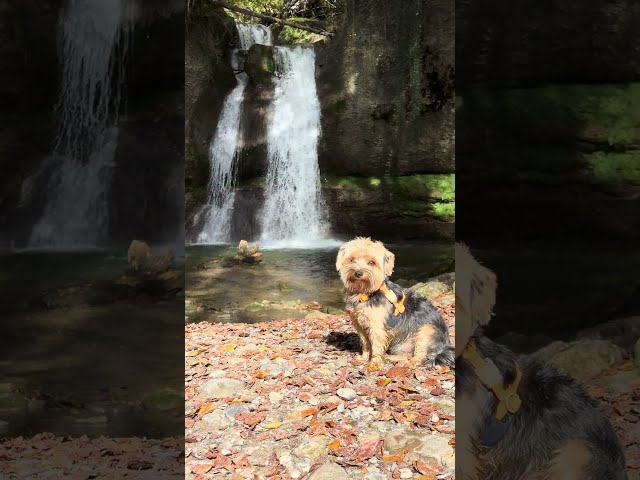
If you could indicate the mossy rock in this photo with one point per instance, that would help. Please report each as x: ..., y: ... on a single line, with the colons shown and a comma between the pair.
x: 259, y: 64
x: 12, y: 403
x: 285, y: 287
x: 253, y: 307
x: 164, y: 399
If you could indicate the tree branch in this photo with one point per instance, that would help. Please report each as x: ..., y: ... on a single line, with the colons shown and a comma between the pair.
x: 228, y: 6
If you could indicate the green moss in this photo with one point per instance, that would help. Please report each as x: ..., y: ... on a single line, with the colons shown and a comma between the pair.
x: 411, y: 195
x: 440, y: 186
x: 446, y: 210
x: 614, y: 167
x: 292, y: 36
x: 252, y: 307
x: 598, y: 113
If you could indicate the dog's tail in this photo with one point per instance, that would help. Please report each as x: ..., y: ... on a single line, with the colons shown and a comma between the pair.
x: 447, y: 357
x: 444, y: 358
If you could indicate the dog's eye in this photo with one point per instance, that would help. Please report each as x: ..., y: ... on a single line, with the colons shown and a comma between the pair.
x: 353, y: 260
x: 372, y: 263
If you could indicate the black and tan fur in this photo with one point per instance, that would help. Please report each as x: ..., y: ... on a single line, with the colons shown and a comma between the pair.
x: 418, y: 336
x: 559, y: 432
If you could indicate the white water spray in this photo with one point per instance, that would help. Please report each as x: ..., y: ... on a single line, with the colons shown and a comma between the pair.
x: 223, y: 147
x: 293, y: 214
x: 92, y: 47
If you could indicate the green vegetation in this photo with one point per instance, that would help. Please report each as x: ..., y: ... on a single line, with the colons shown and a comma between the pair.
x: 291, y: 36
x: 411, y: 195
x: 440, y: 186
x: 613, y: 167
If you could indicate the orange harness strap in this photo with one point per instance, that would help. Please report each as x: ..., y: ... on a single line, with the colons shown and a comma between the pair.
x: 389, y: 295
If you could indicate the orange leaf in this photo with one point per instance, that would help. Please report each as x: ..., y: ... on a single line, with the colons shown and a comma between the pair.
x: 202, y: 468
x: 206, y: 408
x: 334, y: 446
x: 308, y: 412
x: 382, y: 382
x: 396, y: 457
x: 452, y: 441
x: 443, y: 370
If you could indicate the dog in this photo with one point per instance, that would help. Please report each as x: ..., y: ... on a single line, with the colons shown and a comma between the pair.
x: 392, y: 323
x: 518, y: 418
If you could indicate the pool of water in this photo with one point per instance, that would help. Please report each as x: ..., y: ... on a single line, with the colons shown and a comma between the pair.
x: 286, y: 276
x: 85, y: 369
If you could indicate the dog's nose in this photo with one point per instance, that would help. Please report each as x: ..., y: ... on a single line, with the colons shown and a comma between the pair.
x: 358, y: 274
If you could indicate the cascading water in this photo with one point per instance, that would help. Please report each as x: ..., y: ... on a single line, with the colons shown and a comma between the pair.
x: 92, y: 46
x: 222, y: 150
x: 293, y: 214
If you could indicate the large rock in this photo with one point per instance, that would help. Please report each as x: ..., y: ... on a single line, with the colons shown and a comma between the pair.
x: 259, y: 64
x: 330, y: 471
x: 221, y: 388
x: 389, y: 71
x: 431, y: 289
x: 582, y: 359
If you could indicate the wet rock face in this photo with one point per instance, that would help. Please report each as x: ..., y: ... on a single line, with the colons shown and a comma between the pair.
x: 389, y: 72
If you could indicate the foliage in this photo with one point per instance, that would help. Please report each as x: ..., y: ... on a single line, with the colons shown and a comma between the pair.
x: 613, y: 167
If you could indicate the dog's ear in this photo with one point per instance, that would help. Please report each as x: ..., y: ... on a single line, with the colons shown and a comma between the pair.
x: 389, y: 262
x: 341, y: 253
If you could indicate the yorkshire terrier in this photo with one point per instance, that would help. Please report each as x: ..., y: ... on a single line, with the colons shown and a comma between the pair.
x: 392, y: 323
x: 519, y: 418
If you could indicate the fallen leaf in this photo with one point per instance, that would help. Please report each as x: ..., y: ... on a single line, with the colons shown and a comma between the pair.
x: 201, y: 468
x: 206, y: 408
x: 333, y: 446
x: 271, y: 425
x: 197, y: 351
x: 437, y: 391
x: 396, y: 457
x: 369, y: 449
x: 382, y: 382
x: 308, y: 412
x: 229, y: 348
x: 398, y: 372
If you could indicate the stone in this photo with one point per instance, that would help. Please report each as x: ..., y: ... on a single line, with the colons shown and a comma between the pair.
x: 259, y: 64
x: 232, y: 410
x: 275, y: 397
x: 406, y: 473
x: 138, y: 254
x: 316, y: 314
x: 430, y: 289
x: 311, y: 449
x: 216, y: 420
x: 347, y: 393
x: 437, y: 448
x: 330, y: 471
x: 582, y: 359
x: 221, y: 388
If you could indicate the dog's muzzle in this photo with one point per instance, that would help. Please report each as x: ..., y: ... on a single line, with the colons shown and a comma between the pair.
x: 358, y: 274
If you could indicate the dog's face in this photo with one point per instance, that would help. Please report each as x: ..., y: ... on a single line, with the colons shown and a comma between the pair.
x: 364, y: 264
x: 475, y: 296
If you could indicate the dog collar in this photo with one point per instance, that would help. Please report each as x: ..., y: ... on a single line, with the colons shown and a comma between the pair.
x: 508, y: 399
x: 389, y: 295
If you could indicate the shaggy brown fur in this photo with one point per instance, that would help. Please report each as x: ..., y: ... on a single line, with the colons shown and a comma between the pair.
x: 417, y: 335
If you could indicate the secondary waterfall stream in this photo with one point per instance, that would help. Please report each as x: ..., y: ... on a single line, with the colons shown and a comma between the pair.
x: 223, y: 147
x: 292, y: 215
x: 92, y: 46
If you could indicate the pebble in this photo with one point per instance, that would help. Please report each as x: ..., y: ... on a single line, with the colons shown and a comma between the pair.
x: 221, y: 388
x: 341, y: 408
x: 406, y: 473
x: 275, y: 397
x: 330, y: 471
x: 347, y: 393
x: 434, y: 418
x: 232, y: 410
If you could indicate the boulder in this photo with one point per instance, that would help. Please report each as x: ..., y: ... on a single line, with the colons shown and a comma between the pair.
x: 582, y: 359
x: 259, y: 64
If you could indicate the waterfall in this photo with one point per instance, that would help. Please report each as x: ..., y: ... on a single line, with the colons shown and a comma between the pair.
x: 92, y: 47
x: 222, y: 149
x: 293, y: 215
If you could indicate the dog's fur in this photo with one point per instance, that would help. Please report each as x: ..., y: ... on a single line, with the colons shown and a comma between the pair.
x: 559, y: 432
x: 417, y: 336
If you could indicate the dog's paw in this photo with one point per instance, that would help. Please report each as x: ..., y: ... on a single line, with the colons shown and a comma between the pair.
x: 376, y: 364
